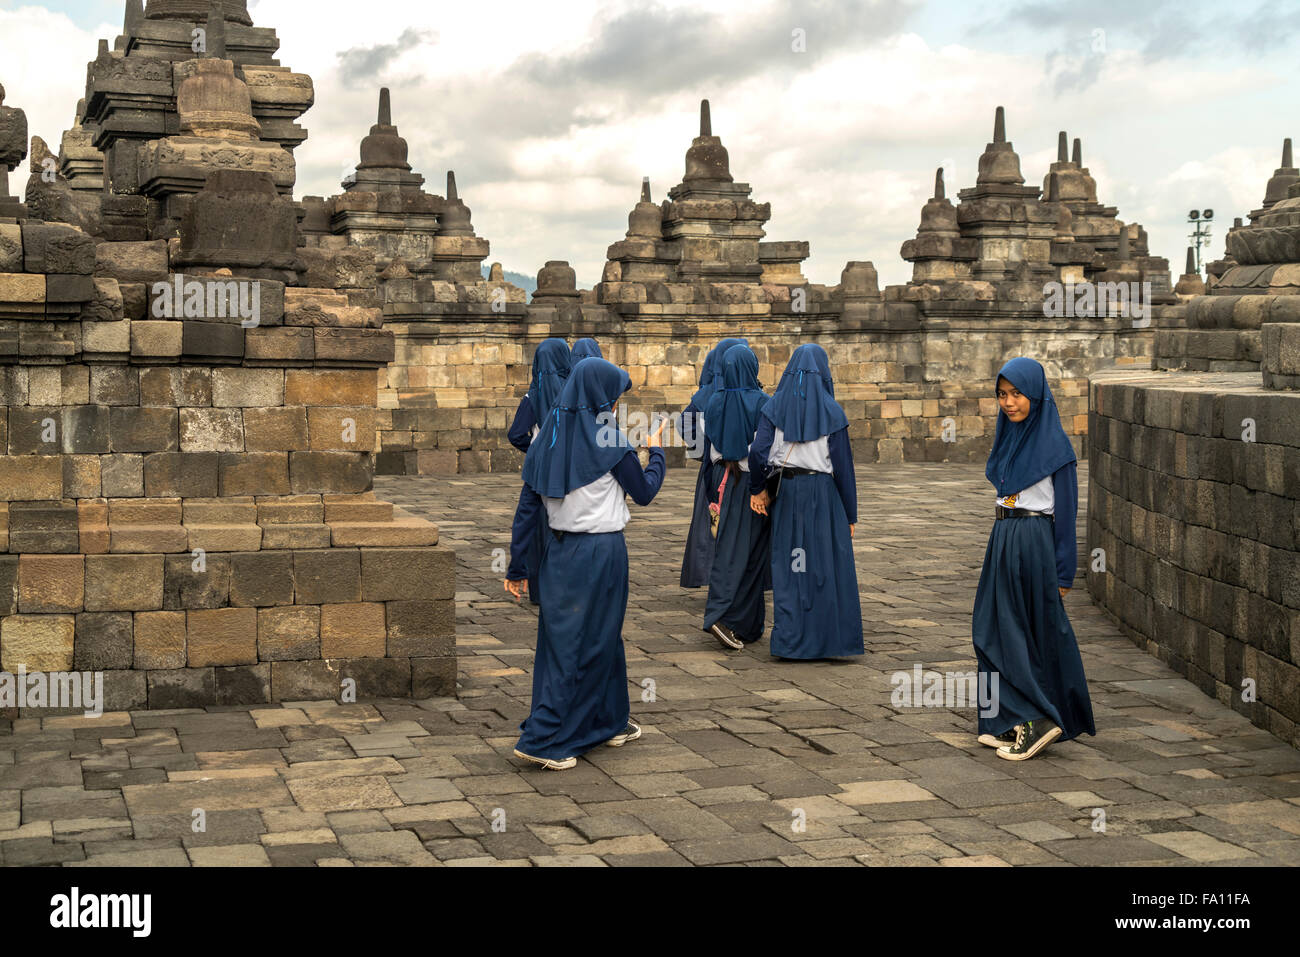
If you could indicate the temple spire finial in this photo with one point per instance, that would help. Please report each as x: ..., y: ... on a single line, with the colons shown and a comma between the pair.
x: 1077, y: 158
x: 1053, y: 188
x: 385, y: 117
x: 1191, y: 262
x: 1062, y: 148
x: 938, y: 184
x: 452, y: 195
x: 1123, y: 251
x: 645, y: 189
x: 216, y: 26
x: 1286, y: 153
x: 706, y: 120
x: 1000, y: 126
x: 134, y: 16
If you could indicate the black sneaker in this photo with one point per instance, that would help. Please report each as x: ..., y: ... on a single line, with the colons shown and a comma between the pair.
x: 1006, y: 739
x: 630, y: 733
x: 1031, y: 737
x: 726, y: 636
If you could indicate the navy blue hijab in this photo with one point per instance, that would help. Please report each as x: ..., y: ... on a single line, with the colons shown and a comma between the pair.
x: 551, y: 366
x: 732, y: 416
x: 803, y: 406
x: 711, y: 377
x: 585, y: 349
x: 1027, y: 452
x: 575, y: 445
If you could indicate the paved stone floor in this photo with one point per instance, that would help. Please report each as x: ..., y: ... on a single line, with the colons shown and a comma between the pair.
x: 744, y: 760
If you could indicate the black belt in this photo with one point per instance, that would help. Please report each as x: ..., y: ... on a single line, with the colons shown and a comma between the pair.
x: 1002, y: 512
x: 789, y: 471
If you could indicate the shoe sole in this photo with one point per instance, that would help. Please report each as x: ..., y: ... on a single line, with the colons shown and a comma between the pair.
x: 1041, y: 743
x: 990, y: 741
x: 621, y: 739
x: 549, y: 763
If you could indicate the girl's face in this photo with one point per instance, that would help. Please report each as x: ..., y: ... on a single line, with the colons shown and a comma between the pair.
x: 1013, y: 403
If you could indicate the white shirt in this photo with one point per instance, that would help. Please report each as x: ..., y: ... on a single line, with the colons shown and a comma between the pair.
x: 815, y: 455
x: 1039, y: 497
x: 715, y: 456
x: 597, y: 507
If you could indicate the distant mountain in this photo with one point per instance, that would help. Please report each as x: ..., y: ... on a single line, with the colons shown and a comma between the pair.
x: 526, y: 283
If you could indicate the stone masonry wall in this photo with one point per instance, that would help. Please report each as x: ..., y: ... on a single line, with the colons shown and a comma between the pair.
x: 1199, y: 530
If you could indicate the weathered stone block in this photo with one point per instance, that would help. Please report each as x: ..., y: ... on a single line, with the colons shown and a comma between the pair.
x: 182, y: 688
x: 261, y: 579
x: 352, y: 631
x: 378, y: 677
x: 187, y: 474
x: 106, y: 337
x: 243, y: 685
x: 86, y: 430
x: 196, y: 581
x: 143, y: 429
x: 122, y: 476
x: 49, y: 584
x: 104, y: 640
x: 115, y: 385
x: 57, y: 249
x: 339, y: 472
x: 254, y: 473
x: 247, y: 388
x: 211, y: 430
x: 222, y: 636
x: 341, y: 429
x: 305, y: 681
x: 348, y: 387
x: 124, y: 583
x: 8, y: 585
x: 288, y: 634
x: 281, y: 344
x: 159, y: 640
x: 433, y: 677
x: 398, y: 574
x: 37, y: 642
x: 44, y: 527
x: 281, y: 429
x: 327, y: 576
x: 157, y: 339
x: 132, y: 262
x: 212, y: 340
x: 421, y: 629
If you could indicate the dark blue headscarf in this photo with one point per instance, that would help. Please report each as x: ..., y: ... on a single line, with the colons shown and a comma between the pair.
x: 711, y: 377
x: 586, y: 348
x: 804, y: 406
x: 576, y: 445
x: 1027, y: 452
x: 732, y: 416
x: 550, y: 368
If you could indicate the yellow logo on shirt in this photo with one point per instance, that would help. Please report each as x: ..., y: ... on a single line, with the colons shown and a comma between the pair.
x: 1010, y: 501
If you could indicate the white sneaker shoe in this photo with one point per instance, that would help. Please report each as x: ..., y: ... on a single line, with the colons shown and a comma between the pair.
x: 552, y: 764
x: 630, y: 733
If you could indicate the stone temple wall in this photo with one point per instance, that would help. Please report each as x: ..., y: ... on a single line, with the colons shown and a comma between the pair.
x: 187, y: 407
x: 1194, y: 498
x: 914, y: 364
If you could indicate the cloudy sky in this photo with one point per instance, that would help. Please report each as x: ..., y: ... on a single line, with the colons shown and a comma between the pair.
x: 551, y: 113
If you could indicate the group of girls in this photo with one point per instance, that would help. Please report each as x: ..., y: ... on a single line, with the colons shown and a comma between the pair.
x: 775, y: 509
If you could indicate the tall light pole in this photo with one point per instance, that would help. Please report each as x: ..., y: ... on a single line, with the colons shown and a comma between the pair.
x: 1200, y: 233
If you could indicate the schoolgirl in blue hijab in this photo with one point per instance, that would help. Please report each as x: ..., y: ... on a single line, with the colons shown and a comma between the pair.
x: 1022, y: 635
x: 803, y: 440
x: 578, y: 472
x: 699, y: 537
x: 551, y: 364
x: 734, y: 612
x: 584, y: 349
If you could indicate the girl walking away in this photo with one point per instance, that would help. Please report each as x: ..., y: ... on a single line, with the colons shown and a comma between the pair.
x: 585, y: 348
x: 577, y: 473
x: 802, y: 444
x: 699, y: 537
x: 734, y: 612
x: 551, y: 365
x: 1023, y: 638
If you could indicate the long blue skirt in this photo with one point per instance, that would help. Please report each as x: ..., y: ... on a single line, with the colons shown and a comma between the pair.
x: 742, y: 563
x: 699, y: 540
x: 1022, y: 634
x: 579, y: 672
x: 533, y: 556
x: 815, y: 607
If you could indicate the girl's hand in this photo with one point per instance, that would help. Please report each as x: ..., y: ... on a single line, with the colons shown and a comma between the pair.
x: 655, y: 441
x: 852, y: 528
x: 760, y: 502
x: 1063, y: 591
x: 517, y: 589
